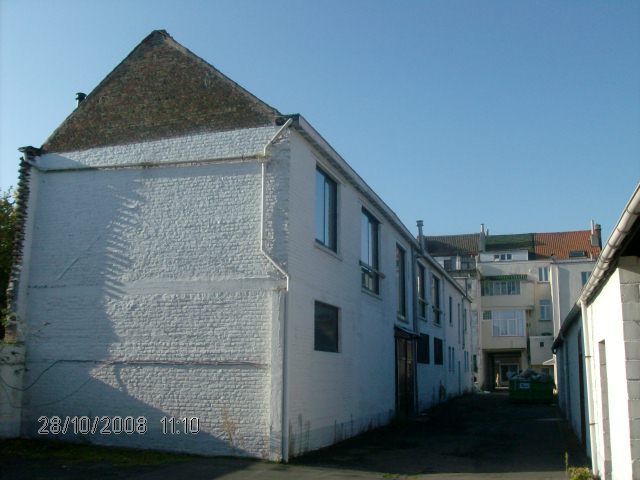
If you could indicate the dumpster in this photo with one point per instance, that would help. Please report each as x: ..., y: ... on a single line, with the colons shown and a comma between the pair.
x: 531, y: 387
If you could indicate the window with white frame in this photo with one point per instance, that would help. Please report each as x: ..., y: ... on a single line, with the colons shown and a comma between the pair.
x: 502, y: 257
x: 326, y: 327
x: 401, y: 281
x: 507, y: 323
x: 543, y: 274
x: 369, y: 252
x: 450, y: 310
x: 422, y: 299
x: 491, y: 288
x: 326, y: 210
x: 545, y: 309
x: 435, y: 299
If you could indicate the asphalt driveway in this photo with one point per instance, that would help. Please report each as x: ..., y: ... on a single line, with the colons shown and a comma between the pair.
x: 473, y: 437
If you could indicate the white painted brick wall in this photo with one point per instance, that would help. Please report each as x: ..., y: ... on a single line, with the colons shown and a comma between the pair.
x: 148, y: 296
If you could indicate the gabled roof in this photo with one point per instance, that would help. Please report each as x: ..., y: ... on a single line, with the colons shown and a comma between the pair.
x: 560, y: 245
x: 160, y: 90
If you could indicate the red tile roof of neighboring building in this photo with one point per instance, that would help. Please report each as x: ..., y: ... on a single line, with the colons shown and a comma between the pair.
x: 565, y: 245
x: 561, y: 245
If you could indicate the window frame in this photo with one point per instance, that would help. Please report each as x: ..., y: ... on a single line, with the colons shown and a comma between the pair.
x: 330, y: 210
x: 435, y: 300
x: 423, y: 353
x: 401, y: 282
x: 369, y: 271
x: 422, y: 299
x: 543, y: 274
x: 546, y: 307
x: 333, y: 308
x: 438, y: 351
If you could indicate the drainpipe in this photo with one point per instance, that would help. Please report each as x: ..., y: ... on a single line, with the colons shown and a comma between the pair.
x: 591, y: 389
x: 266, y: 158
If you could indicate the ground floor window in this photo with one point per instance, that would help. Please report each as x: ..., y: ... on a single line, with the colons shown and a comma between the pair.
x: 438, y: 354
x: 326, y: 327
x: 423, y: 349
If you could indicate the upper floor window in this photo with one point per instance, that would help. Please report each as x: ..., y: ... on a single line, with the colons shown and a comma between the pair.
x: 501, y: 257
x: 545, y: 309
x: 584, y: 277
x: 326, y: 210
x: 543, y: 274
x: 507, y: 323
x: 401, y: 281
x: 369, y: 252
x: 577, y: 254
x: 447, y: 264
x: 435, y: 299
x: 500, y: 287
x: 422, y: 299
x: 450, y: 310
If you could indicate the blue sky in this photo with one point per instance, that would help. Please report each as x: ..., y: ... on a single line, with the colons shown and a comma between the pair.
x: 521, y: 115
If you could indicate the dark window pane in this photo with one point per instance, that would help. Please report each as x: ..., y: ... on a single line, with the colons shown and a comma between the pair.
x: 326, y: 210
x: 400, y: 281
x: 326, y: 327
x: 423, y: 349
x: 437, y: 351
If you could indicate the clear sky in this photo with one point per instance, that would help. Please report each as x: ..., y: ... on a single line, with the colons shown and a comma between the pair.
x: 524, y: 115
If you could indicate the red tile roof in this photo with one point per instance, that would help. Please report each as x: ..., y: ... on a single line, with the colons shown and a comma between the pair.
x: 541, y: 245
x: 561, y: 245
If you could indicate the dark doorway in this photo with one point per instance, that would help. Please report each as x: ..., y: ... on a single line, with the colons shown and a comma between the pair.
x: 405, y: 374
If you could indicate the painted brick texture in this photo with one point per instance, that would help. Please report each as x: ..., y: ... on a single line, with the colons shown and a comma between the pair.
x: 148, y: 296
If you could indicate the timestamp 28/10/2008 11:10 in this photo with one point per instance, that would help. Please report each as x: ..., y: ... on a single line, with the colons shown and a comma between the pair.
x: 107, y: 425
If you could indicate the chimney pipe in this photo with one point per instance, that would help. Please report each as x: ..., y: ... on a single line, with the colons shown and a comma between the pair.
x: 79, y: 98
x: 420, y: 224
x: 596, y: 234
x: 482, y: 239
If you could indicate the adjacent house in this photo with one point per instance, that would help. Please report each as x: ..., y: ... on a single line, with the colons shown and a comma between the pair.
x: 598, y: 354
x: 206, y: 274
x: 521, y: 285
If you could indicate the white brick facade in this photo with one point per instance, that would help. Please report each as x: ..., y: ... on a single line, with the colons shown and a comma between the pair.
x: 145, y: 293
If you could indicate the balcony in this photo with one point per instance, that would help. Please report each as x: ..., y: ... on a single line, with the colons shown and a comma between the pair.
x: 489, y: 342
x: 522, y: 300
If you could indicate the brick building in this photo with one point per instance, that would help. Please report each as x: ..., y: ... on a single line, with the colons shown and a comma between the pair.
x: 187, y: 251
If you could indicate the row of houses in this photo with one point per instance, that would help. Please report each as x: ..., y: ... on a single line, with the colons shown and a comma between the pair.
x: 192, y: 257
x: 522, y: 286
x: 598, y: 354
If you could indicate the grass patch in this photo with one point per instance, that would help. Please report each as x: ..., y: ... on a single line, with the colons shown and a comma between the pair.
x: 78, y: 454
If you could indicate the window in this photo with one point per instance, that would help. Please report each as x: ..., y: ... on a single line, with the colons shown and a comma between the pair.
x: 508, y: 323
x: 467, y: 263
x: 450, y: 310
x: 435, y: 300
x: 369, y: 253
x: 577, y: 254
x: 464, y: 325
x: 326, y: 210
x: 541, y: 344
x: 447, y: 264
x: 401, y: 281
x: 545, y: 309
x: 423, y: 349
x: 486, y: 314
x: 501, y: 257
x: 543, y: 274
x: 491, y: 288
x: 584, y: 277
x: 475, y: 363
x: 326, y: 327
x: 422, y: 300
x: 437, y: 351
x: 466, y: 361
x: 459, y: 326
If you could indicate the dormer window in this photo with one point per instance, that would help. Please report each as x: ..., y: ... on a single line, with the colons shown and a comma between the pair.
x: 502, y: 257
x: 577, y: 254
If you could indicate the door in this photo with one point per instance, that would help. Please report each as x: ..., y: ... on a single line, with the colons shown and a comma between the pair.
x: 405, y: 367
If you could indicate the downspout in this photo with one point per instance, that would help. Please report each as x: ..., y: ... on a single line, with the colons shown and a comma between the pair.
x: 414, y: 304
x: 591, y: 389
x: 266, y: 158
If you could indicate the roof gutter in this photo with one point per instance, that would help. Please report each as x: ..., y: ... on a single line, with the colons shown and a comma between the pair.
x: 327, y: 152
x: 608, y: 258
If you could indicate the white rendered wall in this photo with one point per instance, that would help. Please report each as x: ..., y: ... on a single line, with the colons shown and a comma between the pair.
x: 148, y: 296
x: 605, y: 318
